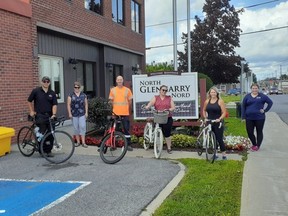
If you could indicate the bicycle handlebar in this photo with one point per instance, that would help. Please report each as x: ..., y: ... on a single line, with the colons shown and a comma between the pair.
x: 210, y: 120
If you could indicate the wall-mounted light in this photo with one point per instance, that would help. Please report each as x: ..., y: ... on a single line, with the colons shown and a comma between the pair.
x: 74, y: 62
x: 135, y: 68
x: 109, y: 65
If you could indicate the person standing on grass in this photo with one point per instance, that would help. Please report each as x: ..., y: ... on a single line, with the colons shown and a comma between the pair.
x: 164, y: 102
x: 121, y: 100
x: 77, y: 106
x: 253, y: 112
x: 214, y: 109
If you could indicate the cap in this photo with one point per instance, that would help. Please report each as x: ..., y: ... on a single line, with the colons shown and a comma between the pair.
x: 45, y: 78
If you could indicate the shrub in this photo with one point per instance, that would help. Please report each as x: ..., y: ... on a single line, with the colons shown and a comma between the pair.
x: 182, y: 140
x: 98, y: 110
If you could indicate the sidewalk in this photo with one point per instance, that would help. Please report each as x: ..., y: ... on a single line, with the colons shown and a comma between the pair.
x: 265, y: 178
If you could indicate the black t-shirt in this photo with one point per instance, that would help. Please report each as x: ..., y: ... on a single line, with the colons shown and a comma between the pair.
x: 43, y: 102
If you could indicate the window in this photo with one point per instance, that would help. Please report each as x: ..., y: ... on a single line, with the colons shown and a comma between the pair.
x: 94, y: 5
x: 135, y: 16
x: 117, y: 11
x: 85, y: 74
x: 53, y: 67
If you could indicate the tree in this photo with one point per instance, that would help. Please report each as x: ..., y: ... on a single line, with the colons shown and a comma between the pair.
x: 159, y: 67
x: 213, y: 42
x: 283, y: 77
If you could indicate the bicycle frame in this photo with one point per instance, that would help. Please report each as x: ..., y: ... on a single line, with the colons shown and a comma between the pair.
x: 111, y: 130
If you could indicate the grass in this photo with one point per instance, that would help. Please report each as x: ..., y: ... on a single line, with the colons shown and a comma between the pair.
x: 235, y: 126
x: 206, y: 189
x: 230, y: 98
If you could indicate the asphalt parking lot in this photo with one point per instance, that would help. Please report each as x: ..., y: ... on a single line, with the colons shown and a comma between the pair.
x: 125, y: 188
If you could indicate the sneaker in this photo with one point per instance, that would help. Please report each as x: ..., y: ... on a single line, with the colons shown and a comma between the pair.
x: 254, y: 148
x: 84, y: 145
x: 129, y: 148
x: 49, y: 154
x: 169, y: 151
x: 215, y: 157
x: 224, y: 157
x: 77, y: 144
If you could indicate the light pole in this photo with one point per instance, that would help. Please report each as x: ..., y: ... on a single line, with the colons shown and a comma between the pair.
x: 241, y: 81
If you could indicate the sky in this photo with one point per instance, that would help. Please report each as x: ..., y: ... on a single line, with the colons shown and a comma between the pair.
x: 266, y: 52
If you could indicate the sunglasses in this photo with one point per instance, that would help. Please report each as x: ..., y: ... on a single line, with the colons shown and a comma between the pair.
x: 76, y: 87
x: 164, y: 90
x: 46, y: 81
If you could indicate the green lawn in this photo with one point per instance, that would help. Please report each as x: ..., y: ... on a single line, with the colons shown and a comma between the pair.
x: 206, y: 189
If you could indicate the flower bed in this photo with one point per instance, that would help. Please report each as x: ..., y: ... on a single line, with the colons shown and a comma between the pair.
x: 237, y: 143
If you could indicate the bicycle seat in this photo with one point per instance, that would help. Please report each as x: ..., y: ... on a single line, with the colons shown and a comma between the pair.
x: 150, y: 120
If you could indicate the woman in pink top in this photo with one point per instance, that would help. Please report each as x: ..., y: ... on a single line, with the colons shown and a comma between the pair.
x: 164, y: 102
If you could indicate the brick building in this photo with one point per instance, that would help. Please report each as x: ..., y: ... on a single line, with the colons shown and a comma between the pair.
x: 91, y: 41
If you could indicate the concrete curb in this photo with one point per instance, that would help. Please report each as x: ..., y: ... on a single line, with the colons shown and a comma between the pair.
x: 154, y: 204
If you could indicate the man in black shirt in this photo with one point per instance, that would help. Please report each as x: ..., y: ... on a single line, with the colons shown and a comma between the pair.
x: 45, y: 107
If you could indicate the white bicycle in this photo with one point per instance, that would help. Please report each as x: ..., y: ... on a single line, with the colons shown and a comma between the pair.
x: 153, y: 134
x: 207, y: 140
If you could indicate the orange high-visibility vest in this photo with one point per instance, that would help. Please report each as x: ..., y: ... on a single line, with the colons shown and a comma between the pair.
x: 120, y: 98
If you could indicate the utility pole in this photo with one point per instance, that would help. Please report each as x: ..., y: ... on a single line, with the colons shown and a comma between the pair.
x: 188, y: 37
x: 175, y: 35
x: 241, y: 81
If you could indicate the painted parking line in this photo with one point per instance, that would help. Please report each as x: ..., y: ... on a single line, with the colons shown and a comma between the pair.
x: 23, y: 197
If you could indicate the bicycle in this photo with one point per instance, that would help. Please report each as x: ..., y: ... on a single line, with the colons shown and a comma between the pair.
x: 114, y: 144
x: 153, y: 133
x: 207, y: 140
x: 63, y: 145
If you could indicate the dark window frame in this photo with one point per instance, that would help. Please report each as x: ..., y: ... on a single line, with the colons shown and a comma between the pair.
x: 136, y: 7
x: 119, y: 10
x: 94, y: 5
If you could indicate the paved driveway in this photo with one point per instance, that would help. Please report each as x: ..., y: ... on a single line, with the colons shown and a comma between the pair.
x: 125, y: 188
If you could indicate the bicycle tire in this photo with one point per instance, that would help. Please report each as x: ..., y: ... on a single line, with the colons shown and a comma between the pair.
x: 26, y: 141
x: 211, y: 147
x: 158, y: 143
x: 113, y: 149
x: 146, y: 135
x: 63, y: 147
x: 199, y: 145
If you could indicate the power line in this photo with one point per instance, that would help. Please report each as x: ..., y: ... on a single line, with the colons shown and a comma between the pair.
x: 254, y: 32
x: 261, y: 4
x: 241, y: 10
x: 265, y: 30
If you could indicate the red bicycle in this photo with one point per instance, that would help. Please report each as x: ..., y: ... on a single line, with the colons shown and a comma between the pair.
x: 114, y: 144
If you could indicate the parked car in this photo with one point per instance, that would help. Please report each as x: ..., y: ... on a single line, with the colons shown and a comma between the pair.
x: 273, y: 90
x: 235, y: 91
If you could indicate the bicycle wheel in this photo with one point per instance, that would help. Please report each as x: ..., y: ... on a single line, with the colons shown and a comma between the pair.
x: 146, y: 136
x: 113, y: 147
x: 158, y: 142
x: 63, y: 147
x: 26, y: 141
x: 211, y: 147
x: 200, y: 144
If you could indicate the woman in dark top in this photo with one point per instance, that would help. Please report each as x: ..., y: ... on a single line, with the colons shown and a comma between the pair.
x: 253, y: 112
x: 214, y: 109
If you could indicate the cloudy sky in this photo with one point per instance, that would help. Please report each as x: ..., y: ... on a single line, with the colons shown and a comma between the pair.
x: 265, y: 51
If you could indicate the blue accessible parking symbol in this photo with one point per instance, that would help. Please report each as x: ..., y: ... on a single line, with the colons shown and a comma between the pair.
x: 21, y: 197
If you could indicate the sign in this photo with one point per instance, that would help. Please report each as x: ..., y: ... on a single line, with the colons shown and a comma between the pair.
x: 183, y: 89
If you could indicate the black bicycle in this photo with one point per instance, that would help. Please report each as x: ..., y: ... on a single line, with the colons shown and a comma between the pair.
x: 63, y: 145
